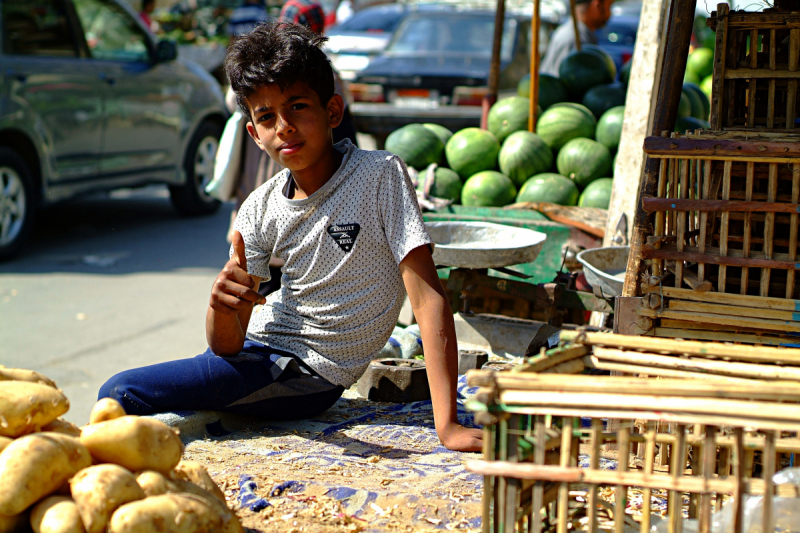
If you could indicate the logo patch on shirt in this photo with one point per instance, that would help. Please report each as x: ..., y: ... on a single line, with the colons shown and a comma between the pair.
x: 344, y: 235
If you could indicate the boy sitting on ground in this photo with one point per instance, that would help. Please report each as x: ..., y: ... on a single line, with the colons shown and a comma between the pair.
x: 347, y: 225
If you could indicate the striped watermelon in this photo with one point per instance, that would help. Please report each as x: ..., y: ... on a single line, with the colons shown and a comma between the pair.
x: 549, y: 187
x: 551, y: 89
x: 416, y: 145
x: 609, y: 127
x: 507, y: 116
x: 563, y: 122
x: 603, y: 97
x: 597, y: 193
x: 472, y: 150
x: 524, y: 154
x: 582, y: 70
x: 583, y: 161
x: 488, y: 189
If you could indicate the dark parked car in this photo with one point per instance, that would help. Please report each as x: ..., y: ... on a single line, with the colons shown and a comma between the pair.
x: 355, y: 42
x: 90, y: 101
x: 618, y: 36
x: 436, y: 67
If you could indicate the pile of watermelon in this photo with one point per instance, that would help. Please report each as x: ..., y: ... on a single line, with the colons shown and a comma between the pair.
x: 570, y: 158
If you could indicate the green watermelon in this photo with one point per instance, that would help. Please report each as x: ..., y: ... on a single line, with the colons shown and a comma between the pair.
x: 446, y: 184
x: 700, y: 62
x: 507, y: 116
x: 443, y: 133
x: 488, y: 189
x: 691, y: 77
x: 695, y: 102
x: 625, y: 72
x: 563, y: 122
x: 603, y: 55
x: 580, y: 71
x: 524, y: 154
x: 684, y: 106
x: 549, y: 187
x: 609, y: 128
x: 551, y: 89
x: 603, y: 97
x: 597, y: 193
x: 706, y: 86
x: 472, y: 150
x: 704, y: 108
x: 583, y: 161
x: 684, y: 124
x: 416, y: 145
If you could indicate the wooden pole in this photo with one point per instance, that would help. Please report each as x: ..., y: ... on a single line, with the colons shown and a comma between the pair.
x: 679, y: 33
x: 575, y: 24
x: 536, y: 24
x: 494, y: 68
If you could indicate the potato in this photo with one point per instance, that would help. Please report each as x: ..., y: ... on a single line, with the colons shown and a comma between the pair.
x: 56, y: 514
x: 34, y: 466
x: 5, y: 441
x: 21, y: 374
x: 176, y: 513
x: 155, y: 484
x: 196, y: 473
x: 98, y: 491
x: 106, y: 409
x: 25, y: 407
x: 137, y: 443
x: 14, y: 524
x: 59, y: 425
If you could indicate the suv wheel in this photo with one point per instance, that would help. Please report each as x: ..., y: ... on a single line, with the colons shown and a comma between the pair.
x: 191, y: 197
x: 17, y: 203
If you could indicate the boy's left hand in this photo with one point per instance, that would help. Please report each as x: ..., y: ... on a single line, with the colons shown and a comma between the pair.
x: 461, y: 439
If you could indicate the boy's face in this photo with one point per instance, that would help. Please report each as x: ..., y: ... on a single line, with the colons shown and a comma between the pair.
x: 293, y: 126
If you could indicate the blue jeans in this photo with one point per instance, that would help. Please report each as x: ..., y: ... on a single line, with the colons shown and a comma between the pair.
x: 260, y: 381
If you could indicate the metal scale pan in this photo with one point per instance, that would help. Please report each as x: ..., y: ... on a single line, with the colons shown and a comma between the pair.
x: 481, y: 245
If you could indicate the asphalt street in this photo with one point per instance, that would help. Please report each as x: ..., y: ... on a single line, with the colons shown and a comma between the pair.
x: 107, y: 283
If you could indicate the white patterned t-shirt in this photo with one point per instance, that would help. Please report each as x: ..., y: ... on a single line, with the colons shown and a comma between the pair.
x: 341, y: 288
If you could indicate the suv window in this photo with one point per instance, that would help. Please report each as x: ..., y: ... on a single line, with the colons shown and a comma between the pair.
x: 435, y: 33
x: 110, y: 32
x: 37, y: 28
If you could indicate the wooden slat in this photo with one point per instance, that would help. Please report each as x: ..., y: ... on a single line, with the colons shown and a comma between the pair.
x: 564, y: 462
x: 761, y: 73
x: 653, y: 371
x: 658, y: 265
x: 751, y: 94
x: 535, y: 525
x: 676, y: 469
x: 709, y: 459
x: 705, y: 229
x: 769, y: 228
x: 693, y: 147
x: 649, y: 463
x: 738, y: 479
x: 594, y: 464
x: 726, y: 320
x: 768, y: 470
x: 727, y: 299
x: 790, y: 280
x: 621, y: 499
x: 681, y: 216
x: 723, y: 241
x: 769, y: 314
x: 715, y: 335
x: 718, y: 76
x: 747, y: 225
x: 648, y: 252
x: 791, y: 95
x: 679, y: 205
x: 771, y: 83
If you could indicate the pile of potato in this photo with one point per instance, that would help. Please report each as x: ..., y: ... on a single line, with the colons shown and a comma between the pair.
x: 118, y: 474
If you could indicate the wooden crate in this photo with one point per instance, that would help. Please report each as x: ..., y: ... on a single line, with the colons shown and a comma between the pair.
x: 755, y: 71
x: 724, y: 223
x: 544, y: 440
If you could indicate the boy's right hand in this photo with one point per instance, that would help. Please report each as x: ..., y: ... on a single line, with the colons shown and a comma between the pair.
x: 233, y: 289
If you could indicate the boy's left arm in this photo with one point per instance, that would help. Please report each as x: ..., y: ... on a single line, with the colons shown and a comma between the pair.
x: 432, y: 311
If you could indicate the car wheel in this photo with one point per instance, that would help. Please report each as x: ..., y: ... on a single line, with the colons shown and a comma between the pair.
x: 17, y: 203
x: 191, y: 197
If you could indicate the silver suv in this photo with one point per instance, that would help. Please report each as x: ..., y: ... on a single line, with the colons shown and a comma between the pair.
x: 90, y: 100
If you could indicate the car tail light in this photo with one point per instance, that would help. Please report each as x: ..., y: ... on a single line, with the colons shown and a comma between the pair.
x: 625, y: 57
x: 365, y: 92
x: 469, y: 95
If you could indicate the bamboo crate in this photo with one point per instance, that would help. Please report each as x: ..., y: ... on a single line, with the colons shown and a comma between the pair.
x: 723, y: 248
x: 755, y: 70
x: 544, y: 440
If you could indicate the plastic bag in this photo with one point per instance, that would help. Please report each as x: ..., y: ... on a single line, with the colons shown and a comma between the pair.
x: 785, y: 510
x: 228, y: 161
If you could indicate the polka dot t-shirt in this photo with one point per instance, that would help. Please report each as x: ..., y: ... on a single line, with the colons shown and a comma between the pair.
x: 341, y: 289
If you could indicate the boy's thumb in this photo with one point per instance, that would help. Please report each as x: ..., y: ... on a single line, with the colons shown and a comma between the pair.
x: 238, y: 249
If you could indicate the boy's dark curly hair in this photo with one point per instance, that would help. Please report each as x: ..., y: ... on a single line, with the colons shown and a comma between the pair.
x: 280, y: 53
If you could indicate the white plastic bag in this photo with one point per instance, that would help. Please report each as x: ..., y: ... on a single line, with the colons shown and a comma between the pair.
x: 228, y: 161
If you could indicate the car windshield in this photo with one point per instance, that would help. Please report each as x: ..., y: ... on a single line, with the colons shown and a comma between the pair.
x: 371, y: 20
x: 458, y: 35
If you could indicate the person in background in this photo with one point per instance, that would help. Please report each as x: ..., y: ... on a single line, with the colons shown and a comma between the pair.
x: 148, y: 6
x: 247, y: 16
x: 592, y: 15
